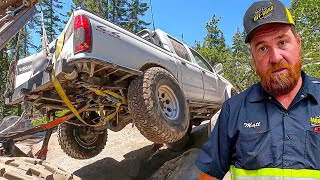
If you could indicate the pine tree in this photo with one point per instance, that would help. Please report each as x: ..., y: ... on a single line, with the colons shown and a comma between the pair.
x: 307, y: 19
x: 136, y: 9
x: 126, y: 14
x: 214, y: 47
x: 241, y: 63
x: 53, y: 19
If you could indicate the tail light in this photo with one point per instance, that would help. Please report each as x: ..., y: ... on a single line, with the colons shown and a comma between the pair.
x: 82, y: 34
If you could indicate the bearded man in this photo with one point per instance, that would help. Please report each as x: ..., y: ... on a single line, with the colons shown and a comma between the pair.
x: 272, y: 129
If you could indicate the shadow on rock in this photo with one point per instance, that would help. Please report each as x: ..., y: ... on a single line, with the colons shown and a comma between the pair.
x: 137, y: 165
x: 143, y: 163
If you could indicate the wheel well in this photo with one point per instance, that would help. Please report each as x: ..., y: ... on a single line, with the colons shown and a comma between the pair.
x: 150, y: 65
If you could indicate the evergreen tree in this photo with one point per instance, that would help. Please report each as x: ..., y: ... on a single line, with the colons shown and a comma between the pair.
x: 241, y: 63
x: 3, y: 74
x: 53, y: 19
x: 126, y: 14
x: 136, y: 9
x: 214, y: 47
x: 307, y: 19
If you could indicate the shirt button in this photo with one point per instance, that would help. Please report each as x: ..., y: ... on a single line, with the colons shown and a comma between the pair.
x: 303, y: 95
x: 286, y: 113
x: 270, y: 97
x: 287, y: 137
x: 286, y: 164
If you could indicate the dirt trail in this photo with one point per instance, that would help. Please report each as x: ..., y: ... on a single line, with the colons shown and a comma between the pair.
x: 117, y: 160
x: 127, y: 156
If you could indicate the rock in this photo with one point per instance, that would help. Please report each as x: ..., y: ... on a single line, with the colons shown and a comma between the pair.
x: 182, y: 167
x: 135, y: 158
x: 198, y: 136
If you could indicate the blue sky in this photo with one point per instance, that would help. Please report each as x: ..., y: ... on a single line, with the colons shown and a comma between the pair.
x: 178, y: 17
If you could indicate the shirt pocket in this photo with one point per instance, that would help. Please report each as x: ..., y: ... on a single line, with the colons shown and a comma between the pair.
x: 254, y: 150
x: 312, y: 150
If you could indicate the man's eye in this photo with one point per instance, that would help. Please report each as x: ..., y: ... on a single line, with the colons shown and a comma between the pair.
x: 282, y: 43
x: 262, y: 49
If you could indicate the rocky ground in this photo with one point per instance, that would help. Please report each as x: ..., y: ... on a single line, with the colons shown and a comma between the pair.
x: 129, y: 156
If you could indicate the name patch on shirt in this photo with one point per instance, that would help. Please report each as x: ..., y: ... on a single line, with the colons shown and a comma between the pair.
x: 315, y: 121
x: 252, y: 124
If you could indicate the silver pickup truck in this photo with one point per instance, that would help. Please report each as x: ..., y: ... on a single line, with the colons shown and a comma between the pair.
x: 150, y: 79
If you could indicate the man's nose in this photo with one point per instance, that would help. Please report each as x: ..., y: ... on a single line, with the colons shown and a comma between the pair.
x: 275, y: 55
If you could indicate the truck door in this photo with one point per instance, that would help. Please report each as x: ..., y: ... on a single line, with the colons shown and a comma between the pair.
x: 210, y: 78
x: 191, y: 77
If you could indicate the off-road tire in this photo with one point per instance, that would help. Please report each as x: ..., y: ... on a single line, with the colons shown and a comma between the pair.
x: 24, y: 168
x: 144, y: 106
x: 69, y: 142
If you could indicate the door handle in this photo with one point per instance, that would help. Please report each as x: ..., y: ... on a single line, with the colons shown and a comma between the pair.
x: 204, y: 72
x: 182, y: 62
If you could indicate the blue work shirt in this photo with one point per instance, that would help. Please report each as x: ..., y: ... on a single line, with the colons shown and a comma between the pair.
x: 255, y: 131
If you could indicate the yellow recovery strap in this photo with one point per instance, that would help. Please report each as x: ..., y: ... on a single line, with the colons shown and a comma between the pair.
x: 65, y: 98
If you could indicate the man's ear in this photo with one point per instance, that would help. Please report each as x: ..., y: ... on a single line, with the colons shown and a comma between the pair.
x: 253, y: 64
x: 298, y: 37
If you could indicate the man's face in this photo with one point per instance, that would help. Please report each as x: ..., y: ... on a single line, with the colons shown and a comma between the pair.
x: 277, y: 57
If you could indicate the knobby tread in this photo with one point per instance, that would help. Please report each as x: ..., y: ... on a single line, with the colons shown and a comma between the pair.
x: 25, y: 168
x: 144, y: 109
x: 69, y: 145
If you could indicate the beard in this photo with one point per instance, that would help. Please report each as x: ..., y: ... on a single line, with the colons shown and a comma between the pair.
x: 280, y: 84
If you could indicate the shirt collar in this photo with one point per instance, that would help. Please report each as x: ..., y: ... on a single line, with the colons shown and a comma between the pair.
x: 308, y: 87
x: 256, y: 94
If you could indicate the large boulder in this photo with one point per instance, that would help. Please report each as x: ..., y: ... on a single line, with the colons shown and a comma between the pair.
x: 182, y: 167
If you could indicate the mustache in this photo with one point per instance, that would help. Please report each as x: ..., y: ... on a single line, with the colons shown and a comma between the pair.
x: 279, y: 66
x: 280, y: 84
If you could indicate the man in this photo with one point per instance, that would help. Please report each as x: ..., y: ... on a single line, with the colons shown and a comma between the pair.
x: 272, y: 129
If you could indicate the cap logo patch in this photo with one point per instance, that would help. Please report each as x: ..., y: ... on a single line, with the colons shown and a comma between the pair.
x: 263, y: 13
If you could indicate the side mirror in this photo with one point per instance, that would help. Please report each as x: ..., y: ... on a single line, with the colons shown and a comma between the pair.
x: 218, y: 68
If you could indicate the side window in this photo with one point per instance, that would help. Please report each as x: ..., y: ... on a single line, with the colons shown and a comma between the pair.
x: 200, y: 61
x: 156, y: 40
x: 180, y: 49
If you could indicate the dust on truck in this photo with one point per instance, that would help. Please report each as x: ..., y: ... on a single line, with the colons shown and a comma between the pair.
x: 108, y: 77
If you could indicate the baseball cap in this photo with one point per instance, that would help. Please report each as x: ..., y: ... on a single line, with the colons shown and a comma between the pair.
x: 264, y: 12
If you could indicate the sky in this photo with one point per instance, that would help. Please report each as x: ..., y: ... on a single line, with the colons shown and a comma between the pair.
x: 177, y: 17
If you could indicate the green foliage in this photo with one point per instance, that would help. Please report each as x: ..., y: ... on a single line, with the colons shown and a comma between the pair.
x: 53, y: 19
x: 135, y: 10
x: 44, y: 119
x: 214, y: 48
x: 241, y: 64
x: 6, y: 57
x: 40, y: 120
x: 307, y: 19
x: 125, y: 13
x: 237, y: 60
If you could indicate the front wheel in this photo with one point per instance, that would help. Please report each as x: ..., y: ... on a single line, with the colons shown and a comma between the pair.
x: 158, y: 106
